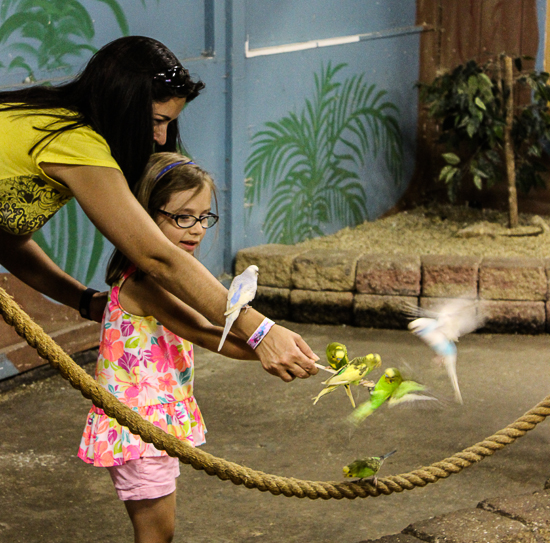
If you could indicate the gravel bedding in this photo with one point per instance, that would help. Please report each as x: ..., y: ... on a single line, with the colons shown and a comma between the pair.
x: 433, y: 230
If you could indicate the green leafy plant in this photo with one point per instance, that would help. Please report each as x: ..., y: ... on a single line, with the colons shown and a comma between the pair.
x: 49, y: 31
x: 474, y: 108
x: 308, y: 163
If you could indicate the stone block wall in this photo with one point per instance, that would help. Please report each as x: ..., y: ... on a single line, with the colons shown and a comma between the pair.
x: 373, y: 290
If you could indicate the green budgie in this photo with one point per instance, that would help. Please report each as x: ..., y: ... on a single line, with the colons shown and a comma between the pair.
x: 366, y: 467
x: 350, y: 374
x: 391, y: 386
x: 337, y: 355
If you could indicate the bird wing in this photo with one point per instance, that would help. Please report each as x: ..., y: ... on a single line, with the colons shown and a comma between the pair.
x: 363, y: 468
x: 234, y: 293
x: 242, y: 296
x: 460, y: 317
x: 407, y: 398
x: 348, y: 374
x: 323, y: 392
x: 415, y: 311
x: 406, y: 387
x: 455, y: 318
x: 367, y: 363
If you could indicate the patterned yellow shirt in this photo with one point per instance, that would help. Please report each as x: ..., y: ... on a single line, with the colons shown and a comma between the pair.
x: 28, y: 197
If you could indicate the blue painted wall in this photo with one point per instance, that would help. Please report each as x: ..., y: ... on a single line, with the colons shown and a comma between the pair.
x: 266, y: 88
x: 278, y: 84
x: 243, y: 93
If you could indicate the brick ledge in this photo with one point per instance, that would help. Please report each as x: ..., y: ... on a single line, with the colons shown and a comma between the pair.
x: 347, y: 287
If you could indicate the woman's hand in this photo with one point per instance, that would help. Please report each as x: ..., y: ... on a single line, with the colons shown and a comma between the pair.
x: 285, y: 354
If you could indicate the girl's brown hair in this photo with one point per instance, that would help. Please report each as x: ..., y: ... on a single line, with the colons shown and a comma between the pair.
x: 154, y: 189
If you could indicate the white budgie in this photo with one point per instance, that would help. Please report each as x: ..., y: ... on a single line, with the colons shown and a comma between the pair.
x: 441, y: 328
x: 241, y: 292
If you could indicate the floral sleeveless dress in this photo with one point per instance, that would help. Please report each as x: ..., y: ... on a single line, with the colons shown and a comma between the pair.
x: 149, y: 369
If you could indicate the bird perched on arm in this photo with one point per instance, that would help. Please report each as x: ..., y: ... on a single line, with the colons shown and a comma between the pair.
x: 390, y: 387
x: 241, y: 292
x: 440, y: 330
x: 366, y: 467
x: 350, y: 374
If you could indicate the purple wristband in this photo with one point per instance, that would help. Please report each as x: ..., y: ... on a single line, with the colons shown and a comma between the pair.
x: 255, y: 339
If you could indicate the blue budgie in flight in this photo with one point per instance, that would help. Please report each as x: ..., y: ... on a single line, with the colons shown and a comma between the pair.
x: 441, y: 328
x: 241, y: 292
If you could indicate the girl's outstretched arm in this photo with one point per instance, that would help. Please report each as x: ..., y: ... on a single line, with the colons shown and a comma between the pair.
x: 105, y: 197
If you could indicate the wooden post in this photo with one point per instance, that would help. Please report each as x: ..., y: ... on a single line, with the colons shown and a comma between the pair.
x: 508, y: 85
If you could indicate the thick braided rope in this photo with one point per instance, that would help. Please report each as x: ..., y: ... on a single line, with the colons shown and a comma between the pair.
x: 200, y: 460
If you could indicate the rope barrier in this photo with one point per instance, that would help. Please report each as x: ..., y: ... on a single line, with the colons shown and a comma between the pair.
x: 242, y: 475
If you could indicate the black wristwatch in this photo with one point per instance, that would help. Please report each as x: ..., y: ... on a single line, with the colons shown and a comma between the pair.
x: 85, y: 299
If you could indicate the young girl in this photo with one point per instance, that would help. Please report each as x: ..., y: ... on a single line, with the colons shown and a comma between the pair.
x: 147, y: 365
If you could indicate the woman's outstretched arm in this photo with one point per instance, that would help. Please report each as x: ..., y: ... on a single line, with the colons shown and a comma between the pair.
x: 105, y: 197
x: 146, y: 297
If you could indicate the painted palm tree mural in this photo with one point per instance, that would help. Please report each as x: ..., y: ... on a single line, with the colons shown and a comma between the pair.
x: 41, y: 38
x: 46, y: 33
x: 309, y: 164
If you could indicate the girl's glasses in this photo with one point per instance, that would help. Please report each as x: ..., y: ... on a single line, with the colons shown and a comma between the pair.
x: 187, y: 221
x: 175, y: 77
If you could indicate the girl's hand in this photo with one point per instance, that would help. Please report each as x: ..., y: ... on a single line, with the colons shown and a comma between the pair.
x: 285, y: 354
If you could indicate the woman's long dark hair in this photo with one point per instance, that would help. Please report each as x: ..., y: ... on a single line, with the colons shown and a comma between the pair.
x: 114, y: 96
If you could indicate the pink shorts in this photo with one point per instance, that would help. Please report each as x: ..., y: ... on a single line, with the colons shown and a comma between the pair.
x: 145, y: 478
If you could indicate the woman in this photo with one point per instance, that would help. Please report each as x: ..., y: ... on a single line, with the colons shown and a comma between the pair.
x: 90, y: 139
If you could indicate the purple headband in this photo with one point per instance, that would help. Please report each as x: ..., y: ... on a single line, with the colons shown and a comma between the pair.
x: 170, y: 166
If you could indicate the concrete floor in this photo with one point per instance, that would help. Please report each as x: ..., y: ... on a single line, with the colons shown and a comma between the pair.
x: 48, y: 494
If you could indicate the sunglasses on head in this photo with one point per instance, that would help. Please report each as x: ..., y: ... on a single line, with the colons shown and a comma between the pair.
x: 176, y: 77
